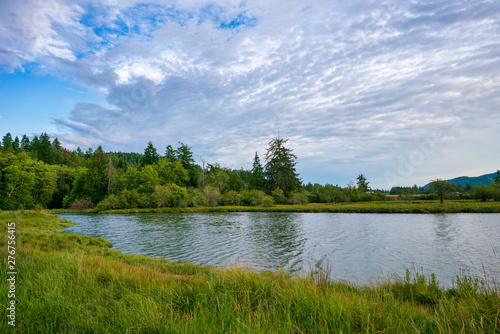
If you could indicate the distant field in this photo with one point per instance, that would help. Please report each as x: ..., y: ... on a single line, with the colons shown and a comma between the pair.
x: 455, y: 206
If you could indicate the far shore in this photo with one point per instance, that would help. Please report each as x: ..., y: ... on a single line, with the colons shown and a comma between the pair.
x: 414, y: 207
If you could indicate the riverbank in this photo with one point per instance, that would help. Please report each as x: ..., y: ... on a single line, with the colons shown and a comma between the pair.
x: 74, y: 283
x: 463, y: 206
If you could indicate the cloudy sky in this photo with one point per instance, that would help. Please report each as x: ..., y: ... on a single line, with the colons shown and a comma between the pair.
x: 401, y: 91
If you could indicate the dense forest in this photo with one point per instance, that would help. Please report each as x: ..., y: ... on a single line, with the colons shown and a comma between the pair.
x: 40, y: 172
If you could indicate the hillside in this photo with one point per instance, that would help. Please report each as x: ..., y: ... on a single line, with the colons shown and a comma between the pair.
x: 484, y: 180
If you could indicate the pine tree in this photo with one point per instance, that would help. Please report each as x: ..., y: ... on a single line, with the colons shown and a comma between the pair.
x: 363, y: 183
x: 44, y: 149
x: 257, y: 179
x: 16, y: 144
x: 96, y: 179
x: 150, y: 155
x: 57, y: 152
x: 280, y: 167
x: 170, y: 153
x: 25, y: 144
x: 7, y: 141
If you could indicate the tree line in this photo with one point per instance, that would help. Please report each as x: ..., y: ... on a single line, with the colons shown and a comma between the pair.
x: 41, y: 172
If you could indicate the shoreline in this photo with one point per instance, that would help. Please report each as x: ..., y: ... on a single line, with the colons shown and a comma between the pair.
x: 392, y: 207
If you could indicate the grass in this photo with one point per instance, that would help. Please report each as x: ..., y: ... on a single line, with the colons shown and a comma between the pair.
x: 69, y: 283
x: 450, y: 206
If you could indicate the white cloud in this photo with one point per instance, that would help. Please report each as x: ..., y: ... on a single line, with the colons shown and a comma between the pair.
x: 355, y: 85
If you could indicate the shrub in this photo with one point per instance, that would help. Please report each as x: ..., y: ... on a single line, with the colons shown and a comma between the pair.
x: 252, y: 197
x: 278, y: 195
x: 170, y: 195
x: 299, y: 198
x: 231, y: 198
x: 82, y: 204
x: 267, y: 201
x: 212, y: 195
x: 113, y: 202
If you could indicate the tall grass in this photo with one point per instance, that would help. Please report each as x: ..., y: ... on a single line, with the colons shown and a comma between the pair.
x: 76, y: 284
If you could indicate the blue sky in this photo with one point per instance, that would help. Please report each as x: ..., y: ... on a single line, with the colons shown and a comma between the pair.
x: 401, y: 91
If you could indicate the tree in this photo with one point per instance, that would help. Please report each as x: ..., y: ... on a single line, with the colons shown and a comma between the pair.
x: 280, y: 167
x: 16, y: 144
x: 185, y: 156
x: 25, y: 144
x: 170, y: 153
x: 7, y: 141
x: 96, y: 181
x: 57, y: 152
x: 257, y: 179
x: 497, y: 178
x: 363, y: 183
x: 441, y: 188
x: 150, y: 155
x: 44, y: 150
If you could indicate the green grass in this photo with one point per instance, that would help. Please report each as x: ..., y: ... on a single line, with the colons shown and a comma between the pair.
x: 70, y: 283
x: 457, y: 206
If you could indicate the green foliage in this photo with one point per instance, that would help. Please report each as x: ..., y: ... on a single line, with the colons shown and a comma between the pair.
x: 280, y: 167
x: 278, y: 196
x: 151, y: 156
x: 25, y: 181
x: 441, y: 188
x: 253, y: 197
x: 96, y: 178
x: 170, y: 195
x: 257, y: 179
x: 148, y: 179
x: 363, y: 184
x: 171, y: 172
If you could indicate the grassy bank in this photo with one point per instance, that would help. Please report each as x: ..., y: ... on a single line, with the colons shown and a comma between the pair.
x: 464, y: 206
x: 70, y: 283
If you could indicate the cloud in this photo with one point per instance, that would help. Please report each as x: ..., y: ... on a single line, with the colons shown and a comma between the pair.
x: 355, y: 85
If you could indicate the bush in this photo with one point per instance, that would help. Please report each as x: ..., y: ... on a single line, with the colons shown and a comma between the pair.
x: 113, y: 202
x: 82, y: 204
x: 170, y: 195
x: 267, y: 201
x: 278, y: 195
x: 298, y: 198
x: 231, y: 198
x: 212, y: 195
x: 252, y: 197
x: 196, y: 197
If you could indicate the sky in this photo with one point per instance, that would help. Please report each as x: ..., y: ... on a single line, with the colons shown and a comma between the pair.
x: 403, y: 92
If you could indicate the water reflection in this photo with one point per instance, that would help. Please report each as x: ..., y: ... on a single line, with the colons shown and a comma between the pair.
x: 357, y: 246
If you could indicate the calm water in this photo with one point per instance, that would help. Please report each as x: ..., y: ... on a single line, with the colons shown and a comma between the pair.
x: 357, y: 247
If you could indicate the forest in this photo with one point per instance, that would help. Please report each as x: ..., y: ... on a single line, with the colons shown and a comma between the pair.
x: 38, y: 172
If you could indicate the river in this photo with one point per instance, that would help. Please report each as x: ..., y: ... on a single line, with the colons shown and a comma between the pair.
x: 362, y: 248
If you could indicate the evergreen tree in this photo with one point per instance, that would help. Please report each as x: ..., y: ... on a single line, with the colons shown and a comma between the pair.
x: 25, y: 144
x: 150, y: 155
x: 497, y: 178
x: 363, y: 183
x: 96, y: 180
x: 170, y: 153
x: 16, y: 144
x: 185, y: 156
x: 44, y: 149
x: 280, y: 167
x: 7, y: 141
x: 57, y: 152
x: 257, y: 179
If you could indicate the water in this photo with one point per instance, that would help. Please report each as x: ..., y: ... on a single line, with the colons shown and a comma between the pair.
x: 358, y: 247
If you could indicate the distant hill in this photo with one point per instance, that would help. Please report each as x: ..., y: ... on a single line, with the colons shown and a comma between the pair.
x: 484, y: 180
